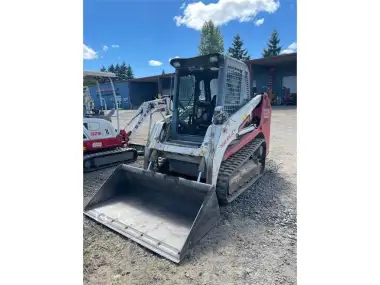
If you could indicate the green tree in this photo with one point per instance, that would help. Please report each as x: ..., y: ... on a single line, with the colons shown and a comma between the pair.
x: 130, y: 72
x: 103, y: 69
x: 117, y: 70
x: 89, y: 82
x: 123, y: 71
x: 237, y: 51
x: 274, y: 47
x: 211, y: 39
x: 111, y: 68
x: 163, y: 72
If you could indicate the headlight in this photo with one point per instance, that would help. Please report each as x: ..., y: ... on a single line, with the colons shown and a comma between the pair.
x: 176, y: 64
x: 213, y: 59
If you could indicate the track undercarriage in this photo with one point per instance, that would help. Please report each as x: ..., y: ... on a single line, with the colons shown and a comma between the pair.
x: 240, y: 171
x: 108, y: 158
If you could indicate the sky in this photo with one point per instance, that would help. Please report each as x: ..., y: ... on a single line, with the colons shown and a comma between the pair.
x: 147, y: 33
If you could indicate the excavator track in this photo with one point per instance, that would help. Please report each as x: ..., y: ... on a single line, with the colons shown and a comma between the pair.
x: 139, y: 147
x: 109, y: 158
x: 231, y: 167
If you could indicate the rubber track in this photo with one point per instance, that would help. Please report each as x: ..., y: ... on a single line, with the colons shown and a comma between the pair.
x: 139, y: 147
x: 230, y: 165
x: 112, y: 152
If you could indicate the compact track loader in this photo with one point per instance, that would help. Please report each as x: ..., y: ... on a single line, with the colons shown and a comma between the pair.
x: 208, y: 152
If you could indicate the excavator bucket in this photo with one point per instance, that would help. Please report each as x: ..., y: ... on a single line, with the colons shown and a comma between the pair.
x: 163, y: 213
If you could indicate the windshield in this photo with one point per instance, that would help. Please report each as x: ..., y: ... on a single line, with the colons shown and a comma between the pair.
x: 196, y: 97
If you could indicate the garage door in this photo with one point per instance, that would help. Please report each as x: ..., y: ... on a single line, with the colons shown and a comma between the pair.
x: 290, y: 82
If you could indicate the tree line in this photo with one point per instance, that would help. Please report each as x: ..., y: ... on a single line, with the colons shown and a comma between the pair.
x: 212, y: 41
x: 122, y: 71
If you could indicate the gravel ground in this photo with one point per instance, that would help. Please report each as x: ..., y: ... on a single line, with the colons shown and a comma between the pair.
x: 254, y: 242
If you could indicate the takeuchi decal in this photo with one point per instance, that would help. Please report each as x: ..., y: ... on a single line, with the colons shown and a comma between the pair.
x: 227, y: 139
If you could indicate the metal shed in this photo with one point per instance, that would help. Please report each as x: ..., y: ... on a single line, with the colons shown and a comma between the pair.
x: 277, y: 74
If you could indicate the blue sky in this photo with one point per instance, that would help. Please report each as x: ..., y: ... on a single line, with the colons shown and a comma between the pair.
x: 146, y: 33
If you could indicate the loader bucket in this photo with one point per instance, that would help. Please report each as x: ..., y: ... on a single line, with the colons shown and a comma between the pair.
x: 163, y: 213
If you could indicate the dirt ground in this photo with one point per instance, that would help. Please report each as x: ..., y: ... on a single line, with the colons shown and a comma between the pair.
x: 254, y: 242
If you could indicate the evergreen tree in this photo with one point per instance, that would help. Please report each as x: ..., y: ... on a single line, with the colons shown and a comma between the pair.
x: 274, y: 47
x: 90, y: 81
x: 130, y: 72
x: 237, y: 51
x: 123, y: 71
x: 103, y: 69
x: 117, y: 71
x: 111, y: 68
x: 163, y: 72
x: 211, y: 39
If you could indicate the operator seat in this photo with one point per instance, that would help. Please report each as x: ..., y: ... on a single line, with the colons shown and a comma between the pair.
x: 205, y: 110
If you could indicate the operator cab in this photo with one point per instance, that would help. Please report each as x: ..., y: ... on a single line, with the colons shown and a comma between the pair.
x: 195, y: 96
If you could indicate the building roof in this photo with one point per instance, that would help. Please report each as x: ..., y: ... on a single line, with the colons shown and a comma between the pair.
x: 153, y: 78
x: 273, y: 60
x: 88, y: 73
x: 266, y: 61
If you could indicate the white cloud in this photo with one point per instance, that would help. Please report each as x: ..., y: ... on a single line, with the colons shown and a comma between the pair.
x: 170, y: 58
x: 115, y: 46
x: 245, y: 19
x: 224, y: 11
x: 293, y: 46
x: 286, y: 51
x: 259, y: 22
x: 290, y: 49
x: 105, y: 48
x: 154, y: 62
x: 89, y: 53
x: 183, y: 5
